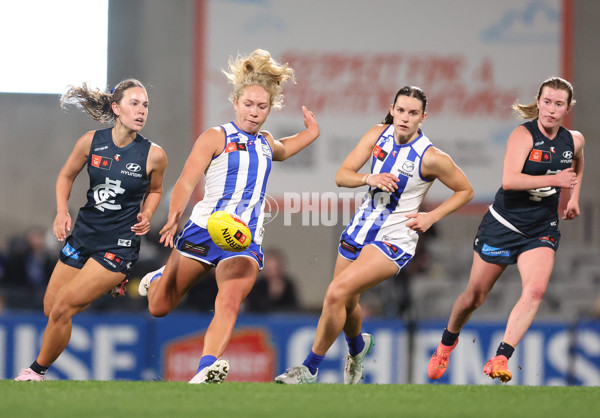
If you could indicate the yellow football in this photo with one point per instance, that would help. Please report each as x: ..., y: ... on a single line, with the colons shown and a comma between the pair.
x: 229, y: 231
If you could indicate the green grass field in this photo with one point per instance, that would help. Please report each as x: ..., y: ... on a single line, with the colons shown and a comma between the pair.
x: 87, y: 399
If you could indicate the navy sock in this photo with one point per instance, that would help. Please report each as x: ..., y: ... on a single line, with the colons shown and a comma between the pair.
x: 505, y: 349
x: 38, y: 369
x: 449, y: 338
x: 355, y: 344
x: 312, y: 361
x: 206, y: 361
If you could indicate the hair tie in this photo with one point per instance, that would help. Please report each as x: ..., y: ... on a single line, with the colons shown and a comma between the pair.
x: 112, y: 91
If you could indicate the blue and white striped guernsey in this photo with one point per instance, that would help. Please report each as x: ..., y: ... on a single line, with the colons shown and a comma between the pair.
x: 236, y: 180
x: 381, y: 216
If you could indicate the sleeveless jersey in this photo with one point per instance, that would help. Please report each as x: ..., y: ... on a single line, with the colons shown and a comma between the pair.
x: 118, y: 184
x: 381, y: 217
x: 236, y: 180
x: 534, y: 210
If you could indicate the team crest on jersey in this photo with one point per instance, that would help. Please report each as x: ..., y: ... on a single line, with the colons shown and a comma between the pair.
x: 104, y: 194
x: 379, y: 153
x: 236, y: 146
x: 101, y: 162
x: 540, y: 156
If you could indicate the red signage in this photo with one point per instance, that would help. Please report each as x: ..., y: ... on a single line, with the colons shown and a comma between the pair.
x: 250, y: 355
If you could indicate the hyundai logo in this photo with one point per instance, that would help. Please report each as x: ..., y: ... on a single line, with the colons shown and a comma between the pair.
x: 568, y: 154
x: 133, y: 167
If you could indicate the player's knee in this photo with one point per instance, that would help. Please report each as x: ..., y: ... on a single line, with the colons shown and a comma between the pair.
x: 535, y: 293
x: 60, y: 311
x: 228, y: 303
x: 158, y: 310
x: 335, y: 294
x: 47, y: 308
x: 474, y: 300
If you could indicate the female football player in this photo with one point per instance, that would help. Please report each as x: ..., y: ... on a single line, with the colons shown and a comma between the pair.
x: 382, y: 236
x: 126, y: 172
x: 236, y: 160
x: 521, y: 226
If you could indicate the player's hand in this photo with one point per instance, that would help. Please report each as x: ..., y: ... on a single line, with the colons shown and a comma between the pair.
x: 384, y: 181
x: 421, y: 221
x: 167, y: 233
x: 143, y: 225
x: 310, y: 121
x: 62, y: 225
x: 567, y: 179
x: 572, y: 211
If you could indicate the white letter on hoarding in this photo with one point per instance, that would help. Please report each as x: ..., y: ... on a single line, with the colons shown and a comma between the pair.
x: 106, y: 359
x: 69, y: 363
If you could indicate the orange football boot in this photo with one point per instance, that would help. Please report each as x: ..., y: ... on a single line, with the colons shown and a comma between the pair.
x: 439, y: 360
x: 497, y: 367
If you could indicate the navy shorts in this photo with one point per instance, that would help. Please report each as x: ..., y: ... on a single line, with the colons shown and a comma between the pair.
x: 497, y: 244
x: 76, y: 254
x: 195, y: 242
x: 350, y: 250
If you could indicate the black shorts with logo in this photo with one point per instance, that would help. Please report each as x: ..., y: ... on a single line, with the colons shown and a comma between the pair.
x: 118, y: 260
x: 497, y: 244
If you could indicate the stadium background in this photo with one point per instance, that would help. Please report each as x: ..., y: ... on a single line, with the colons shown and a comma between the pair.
x: 457, y: 54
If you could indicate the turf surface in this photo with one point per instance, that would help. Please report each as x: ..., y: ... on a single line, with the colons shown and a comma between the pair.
x: 86, y: 399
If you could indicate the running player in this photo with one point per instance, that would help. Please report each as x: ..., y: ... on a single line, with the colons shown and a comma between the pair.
x: 382, y: 236
x: 126, y: 172
x: 236, y: 160
x: 521, y: 226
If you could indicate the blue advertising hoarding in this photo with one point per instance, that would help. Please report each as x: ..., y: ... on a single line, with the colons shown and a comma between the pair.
x: 139, y: 347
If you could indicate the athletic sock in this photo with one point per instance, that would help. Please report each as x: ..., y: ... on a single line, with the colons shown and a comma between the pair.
x: 355, y: 344
x: 312, y: 361
x: 449, y: 338
x: 505, y: 349
x: 38, y: 369
x: 206, y: 361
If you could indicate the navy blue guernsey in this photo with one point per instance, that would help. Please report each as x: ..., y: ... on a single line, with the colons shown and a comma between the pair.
x: 532, y: 211
x: 118, y: 184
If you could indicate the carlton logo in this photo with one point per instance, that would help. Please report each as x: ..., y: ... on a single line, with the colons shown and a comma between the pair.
x: 250, y: 355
